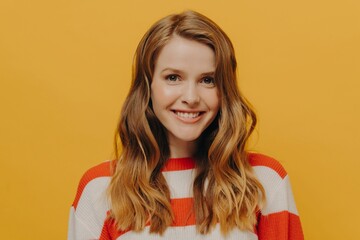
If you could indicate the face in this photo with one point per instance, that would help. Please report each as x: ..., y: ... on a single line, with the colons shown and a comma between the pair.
x: 184, y: 96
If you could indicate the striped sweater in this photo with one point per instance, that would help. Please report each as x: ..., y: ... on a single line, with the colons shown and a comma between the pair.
x: 278, y: 220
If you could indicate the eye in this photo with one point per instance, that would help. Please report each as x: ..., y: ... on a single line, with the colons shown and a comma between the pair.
x: 172, y: 77
x: 208, y: 81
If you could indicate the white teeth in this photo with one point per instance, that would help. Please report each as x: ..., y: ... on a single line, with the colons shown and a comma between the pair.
x: 187, y: 115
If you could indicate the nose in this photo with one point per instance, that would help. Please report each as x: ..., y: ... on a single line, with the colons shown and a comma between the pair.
x: 190, y: 94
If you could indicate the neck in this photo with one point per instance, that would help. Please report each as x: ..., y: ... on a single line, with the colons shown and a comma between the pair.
x: 182, y: 149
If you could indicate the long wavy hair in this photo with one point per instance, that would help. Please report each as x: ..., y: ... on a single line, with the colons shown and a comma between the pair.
x: 226, y: 190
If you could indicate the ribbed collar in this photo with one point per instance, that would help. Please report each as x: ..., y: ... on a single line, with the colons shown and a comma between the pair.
x: 178, y: 164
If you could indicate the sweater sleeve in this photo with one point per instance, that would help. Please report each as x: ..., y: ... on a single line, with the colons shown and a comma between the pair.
x: 89, y: 209
x: 279, y: 220
x: 79, y: 229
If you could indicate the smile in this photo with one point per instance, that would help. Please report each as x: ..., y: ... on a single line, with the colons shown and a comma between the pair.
x: 187, y: 117
x: 187, y: 114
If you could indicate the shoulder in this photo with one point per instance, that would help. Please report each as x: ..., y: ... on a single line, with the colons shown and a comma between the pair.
x: 275, y: 180
x: 272, y: 176
x: 279, y: 217
x: 89, y: 209
x: 266, y: 164
x: 93, y: 180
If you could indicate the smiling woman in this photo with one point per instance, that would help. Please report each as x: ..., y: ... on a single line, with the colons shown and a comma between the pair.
x: 183, y: 171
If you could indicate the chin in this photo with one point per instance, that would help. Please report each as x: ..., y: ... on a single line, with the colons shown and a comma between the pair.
x: 186, y: 137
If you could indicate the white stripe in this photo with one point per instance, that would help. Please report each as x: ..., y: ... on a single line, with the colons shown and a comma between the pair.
x: 78, y: 229
x: 279, y: 196
x: 189, y: 232
x: 92, y: 207
x: 180, y: 183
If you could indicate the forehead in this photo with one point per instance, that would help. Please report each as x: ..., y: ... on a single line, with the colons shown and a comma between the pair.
x: 186, y: 55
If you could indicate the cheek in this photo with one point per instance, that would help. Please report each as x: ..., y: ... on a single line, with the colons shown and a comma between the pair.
x: 162, y: 95
x: 159, y: 96
x: 213, y: 100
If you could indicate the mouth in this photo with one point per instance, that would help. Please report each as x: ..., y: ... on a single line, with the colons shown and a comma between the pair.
x: 187, y: 115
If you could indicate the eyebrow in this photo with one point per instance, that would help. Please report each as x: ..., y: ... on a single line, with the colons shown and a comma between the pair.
x: 172, y: 70
x: 181, y: 72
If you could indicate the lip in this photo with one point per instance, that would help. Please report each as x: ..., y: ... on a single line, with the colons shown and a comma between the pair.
x: 188, y: 120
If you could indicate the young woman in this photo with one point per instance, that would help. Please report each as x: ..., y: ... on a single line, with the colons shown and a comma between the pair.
x: 183, y: 171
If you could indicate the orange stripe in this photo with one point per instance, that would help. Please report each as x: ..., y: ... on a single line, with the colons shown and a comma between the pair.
x: 101, y: 170
x: 276, y: 226
x: 178, y: 164
x: 109, y: 230
x: 280, y: 226
x: 183, y: 213
x: 183, y: 209
x: 108, y: 233
x: 256, y: 159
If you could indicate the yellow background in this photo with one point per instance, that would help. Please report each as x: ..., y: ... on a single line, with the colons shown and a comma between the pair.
x: 65, y: 71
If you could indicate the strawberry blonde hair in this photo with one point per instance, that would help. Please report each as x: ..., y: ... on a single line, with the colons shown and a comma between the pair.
x: 226, y: 190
